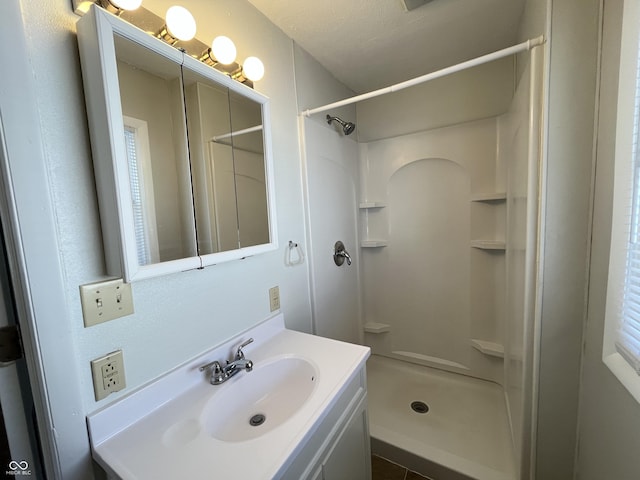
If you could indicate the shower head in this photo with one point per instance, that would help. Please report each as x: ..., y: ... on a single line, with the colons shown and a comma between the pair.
x: 347, y: 127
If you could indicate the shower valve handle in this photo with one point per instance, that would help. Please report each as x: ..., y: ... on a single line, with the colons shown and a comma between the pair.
x: 340, y: 254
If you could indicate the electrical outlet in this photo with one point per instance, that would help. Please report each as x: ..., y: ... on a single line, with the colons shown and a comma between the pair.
x: 108, y: 374
x: 104, y: 301
x: 274, y: 298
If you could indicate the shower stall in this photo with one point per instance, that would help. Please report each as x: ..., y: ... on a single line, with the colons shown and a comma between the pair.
x: 439, y: 213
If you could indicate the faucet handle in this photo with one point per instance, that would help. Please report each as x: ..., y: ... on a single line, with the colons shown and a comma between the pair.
x: 239, y: 352
x: 218, y: 373
x: 215, y: 364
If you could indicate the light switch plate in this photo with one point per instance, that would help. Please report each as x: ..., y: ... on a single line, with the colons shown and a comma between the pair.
x: 274, y: 298
x: 104, y: 301
x: 108, y: 374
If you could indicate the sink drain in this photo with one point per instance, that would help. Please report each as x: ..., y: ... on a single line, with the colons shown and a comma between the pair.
x: 419, y: 407
x: 257, y: 420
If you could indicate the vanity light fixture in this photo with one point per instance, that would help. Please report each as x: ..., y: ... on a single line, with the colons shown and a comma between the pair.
x: 180, y: 25
x: 253, y: 68
x: 222, y: 51
x: 118, y: 6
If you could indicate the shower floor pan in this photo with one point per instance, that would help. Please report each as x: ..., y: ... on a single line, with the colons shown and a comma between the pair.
x: 464, y: 434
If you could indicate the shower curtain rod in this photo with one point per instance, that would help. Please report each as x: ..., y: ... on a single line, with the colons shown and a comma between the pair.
x: 521, y: 47
x: 224, y: 136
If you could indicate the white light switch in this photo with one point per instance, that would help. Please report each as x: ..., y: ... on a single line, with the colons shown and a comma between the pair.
x: 274, y: 298
x: 104, y: 301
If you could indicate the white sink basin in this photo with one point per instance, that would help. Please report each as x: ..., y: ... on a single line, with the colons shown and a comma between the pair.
x: 181, y: 426
x: 261, y: 400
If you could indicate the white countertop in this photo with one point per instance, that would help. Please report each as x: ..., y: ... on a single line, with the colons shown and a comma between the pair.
x: 156, y: 432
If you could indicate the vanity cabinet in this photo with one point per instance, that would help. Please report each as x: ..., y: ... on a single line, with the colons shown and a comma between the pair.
x: 350, y: 456
x: 340, y: 446
x: 311, y: 391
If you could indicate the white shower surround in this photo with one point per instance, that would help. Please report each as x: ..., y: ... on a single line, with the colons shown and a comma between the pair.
x: 424, y: 288
x: 478, y: 159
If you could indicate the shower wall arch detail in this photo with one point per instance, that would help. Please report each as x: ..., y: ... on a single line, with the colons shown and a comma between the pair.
x: 423, y: 283
x: 425, y: 290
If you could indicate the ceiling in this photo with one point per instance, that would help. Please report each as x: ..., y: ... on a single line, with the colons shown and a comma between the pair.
x: 370, y: 44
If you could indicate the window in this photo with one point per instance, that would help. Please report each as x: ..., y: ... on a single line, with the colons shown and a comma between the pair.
x: 142, y: 200
x: 621, y: 348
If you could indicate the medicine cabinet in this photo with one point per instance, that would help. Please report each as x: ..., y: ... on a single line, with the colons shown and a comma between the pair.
x: 181, y: 152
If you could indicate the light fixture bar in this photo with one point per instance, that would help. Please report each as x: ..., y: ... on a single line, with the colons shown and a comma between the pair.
x: 165, y: 36
x: 208, y: 58
x: 156, y: 26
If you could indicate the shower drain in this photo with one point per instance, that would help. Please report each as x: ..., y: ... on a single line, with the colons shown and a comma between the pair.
x: 257, y: 420
x: 419, y: 407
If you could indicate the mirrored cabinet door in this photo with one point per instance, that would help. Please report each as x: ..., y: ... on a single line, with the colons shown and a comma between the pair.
x: 247, y: 141
x: 157, y: 155
x: 214, y: 189
x: 181, y: 154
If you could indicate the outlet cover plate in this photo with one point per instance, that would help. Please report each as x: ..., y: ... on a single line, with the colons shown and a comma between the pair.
x: 108, y: 374
x: 104, y: 301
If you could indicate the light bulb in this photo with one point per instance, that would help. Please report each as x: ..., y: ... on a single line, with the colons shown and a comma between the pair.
x: 180, y: 23
x: 126, y: 4
x: 224, y: 50
x: 253, y: 68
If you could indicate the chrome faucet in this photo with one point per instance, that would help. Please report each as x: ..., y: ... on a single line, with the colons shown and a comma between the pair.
x: 220, y: 373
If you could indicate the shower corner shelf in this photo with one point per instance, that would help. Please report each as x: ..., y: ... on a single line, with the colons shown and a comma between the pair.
x: 488, y: 348
x: 488, y: 244
x: 489, y: 197
x: 367, y: 205
x: 373, y: 243
x: 375, y: 327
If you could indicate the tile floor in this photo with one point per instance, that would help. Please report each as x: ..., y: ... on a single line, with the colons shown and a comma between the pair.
x: 382, y: 469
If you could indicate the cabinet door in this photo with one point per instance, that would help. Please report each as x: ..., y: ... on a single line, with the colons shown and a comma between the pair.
x: 350, y: 458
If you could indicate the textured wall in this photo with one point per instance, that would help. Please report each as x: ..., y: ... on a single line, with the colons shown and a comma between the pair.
x: 572, y: 90
x: 177, y: 316
x: 609, y: 419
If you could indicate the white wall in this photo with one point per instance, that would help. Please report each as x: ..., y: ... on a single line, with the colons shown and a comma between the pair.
x: 480, y: 92
x: 572, y: 90
x: 330, y: 171
x: 609, y: 418
x: 316, y: 87
x: 34, y: 244
x: 177, y: 316
x: 331, y: 166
